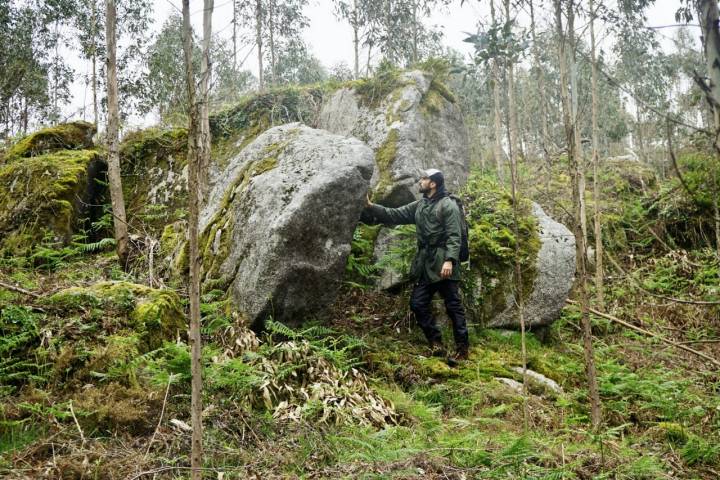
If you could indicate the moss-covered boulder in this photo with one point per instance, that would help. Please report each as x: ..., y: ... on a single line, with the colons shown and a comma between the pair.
x: 47, y: 194
x: 546, y: 249
x: 66, y: 136
x: 411, y: 121
x: 154, y: 170
x: 151, y: 315
x: 278, y: 224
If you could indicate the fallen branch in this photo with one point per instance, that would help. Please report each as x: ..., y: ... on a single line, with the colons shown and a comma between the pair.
x: 657, y: 295
x: 649, y: 333
x: 19, y: 290
x: 162, y: 413
x: 77, y: 424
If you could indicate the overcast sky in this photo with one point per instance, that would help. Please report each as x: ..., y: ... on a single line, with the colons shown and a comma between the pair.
x: 331, y: 40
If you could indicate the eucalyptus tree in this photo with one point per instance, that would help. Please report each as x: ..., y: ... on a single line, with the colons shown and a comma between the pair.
x: 113, y: 158
x: 359, y: 14
x: 164, y: 74
x: 284, y: 21
x: 401, y: 34
x: 565, y: 34
x: 34, y: 76
x: 709, y: 19
x: 194, y: 136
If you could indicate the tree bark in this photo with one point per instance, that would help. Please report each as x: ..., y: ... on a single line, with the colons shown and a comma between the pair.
x: 599, y: 297
x: 356, y: 40
x: 205, y: 72
x: 196, y: 454
x: 94, y: 63
x: 709, y: 18
x: 545, y: 135
x: 116, y: 194
x: 577, y: 138
x: 498, y: 151
x: 234, y: 35
x: 271, y: 31
x: 576, y: 192
x: 512, y: 156
x: 258, y: 40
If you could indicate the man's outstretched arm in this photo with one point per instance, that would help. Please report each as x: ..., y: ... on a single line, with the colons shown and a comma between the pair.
x: 392, y: 216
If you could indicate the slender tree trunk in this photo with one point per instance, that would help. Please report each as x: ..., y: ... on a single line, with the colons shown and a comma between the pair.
x: 116, y: 193
x: 205, y: 72
x: 356, y: 39
x: 576, y: 192
x: 94, y: 64
x: 512, y: 156
x: 367, y: 65
x: 258, y: 39
x: 512, y: 104
x: 271, y: 31
x: 498, y: 151
x: 576, y: 120
x: 596, y: 165
x: 711, y: 44
x: 196, y: 454
x: 639, y: 132
x: 415, y: 34
x: 234, y: 35
x: 545, y: 135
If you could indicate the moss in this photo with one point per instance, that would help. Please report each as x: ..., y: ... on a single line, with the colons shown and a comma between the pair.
x: 66, y: 136
x: 673, y: 432
x: 154, y: 315
x: 214, y: 246
x: 42, y: 193
x: 384, y: 158
x: 115, y: 407
x: 152, y: 163
x: 489, y: 210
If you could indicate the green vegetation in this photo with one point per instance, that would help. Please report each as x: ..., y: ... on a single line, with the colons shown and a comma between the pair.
x: 65, y: 136
x: 43, y: 195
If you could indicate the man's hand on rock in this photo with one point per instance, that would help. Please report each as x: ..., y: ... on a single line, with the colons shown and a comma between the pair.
x: 446, y: 271
x: 368, y: 203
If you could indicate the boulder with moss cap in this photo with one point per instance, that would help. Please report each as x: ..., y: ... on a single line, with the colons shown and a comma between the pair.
x: 278, y: 223
x: 415, y: 124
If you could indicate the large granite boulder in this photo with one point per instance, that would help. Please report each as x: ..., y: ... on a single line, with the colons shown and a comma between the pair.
x: 279, y: 221
x: 553, y: 279
x: 415, y: 126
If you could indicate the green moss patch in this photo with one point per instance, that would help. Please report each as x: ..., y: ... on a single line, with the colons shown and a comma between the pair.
x: 66, y: 136
x: 384, y: 158
x: 153, y: 315
x: 45, y: 193
x: 492, y: 240
x: 152, y: 163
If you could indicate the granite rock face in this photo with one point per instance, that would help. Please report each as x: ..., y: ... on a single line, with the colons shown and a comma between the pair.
x: 417, y: 126
x: 555, y: 267
x: 279, y: 221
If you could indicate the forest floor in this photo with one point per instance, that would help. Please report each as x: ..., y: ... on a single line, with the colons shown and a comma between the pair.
x: 355, y: 394
x: 661, y: 409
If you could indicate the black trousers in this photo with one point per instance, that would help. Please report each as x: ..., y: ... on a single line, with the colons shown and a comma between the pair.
x: 420, y: 300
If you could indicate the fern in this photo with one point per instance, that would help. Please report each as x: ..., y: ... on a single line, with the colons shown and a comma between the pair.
x: 101, y: 245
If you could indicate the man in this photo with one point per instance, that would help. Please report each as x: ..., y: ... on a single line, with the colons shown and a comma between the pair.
x: 436, y: 266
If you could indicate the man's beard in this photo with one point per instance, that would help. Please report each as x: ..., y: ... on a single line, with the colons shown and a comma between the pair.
x: 423, y: 190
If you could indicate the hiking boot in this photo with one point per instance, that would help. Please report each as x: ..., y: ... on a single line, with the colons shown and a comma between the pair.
x: 437, y: 350
x: 461, y: 352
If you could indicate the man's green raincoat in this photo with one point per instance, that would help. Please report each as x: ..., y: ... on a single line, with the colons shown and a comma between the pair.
x: 437, y: 221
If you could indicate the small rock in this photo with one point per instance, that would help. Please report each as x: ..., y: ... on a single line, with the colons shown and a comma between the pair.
x: 540, y: 379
